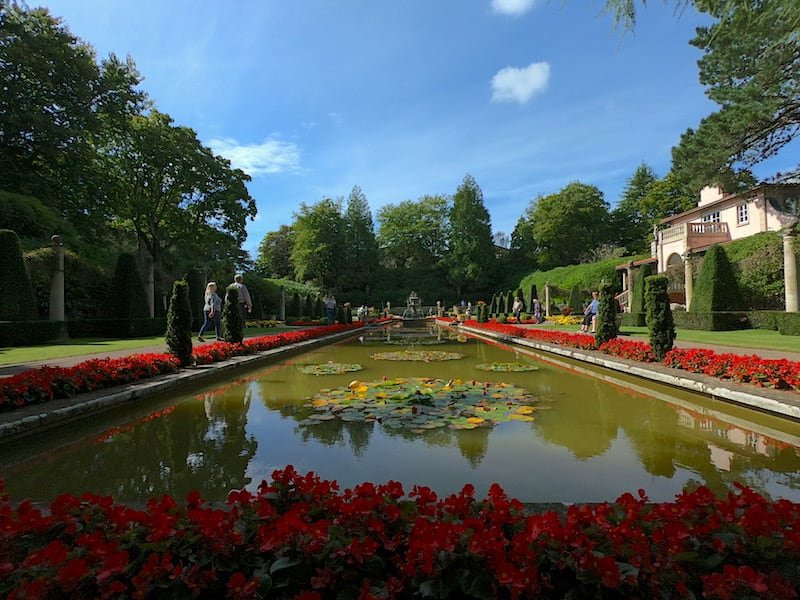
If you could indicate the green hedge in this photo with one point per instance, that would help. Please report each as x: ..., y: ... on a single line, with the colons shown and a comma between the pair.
x: 711, y: 321
x: 632, y: 319
x: 27, y: 333
x: 117, y: 328
x: 788, y: 323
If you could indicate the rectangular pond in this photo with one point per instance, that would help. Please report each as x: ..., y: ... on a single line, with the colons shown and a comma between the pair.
x: 561, y: 435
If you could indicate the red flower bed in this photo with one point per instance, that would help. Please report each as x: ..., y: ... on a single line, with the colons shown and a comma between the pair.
x: 48, y: 383
x: 300, y: 537
x: 778, y: 374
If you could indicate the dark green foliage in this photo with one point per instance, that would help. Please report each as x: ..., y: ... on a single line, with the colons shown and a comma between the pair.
x: 492, y: 309
x: 575, y: 300
x: 232, y: 324
x: 17, y: 302
x: 126, y: 297
x: 319, y: 308
x: 501, y: 318
x: 764, y: 319
x: 27, y: 333
x: 348, y: 314
x: 521, y: 296
x: 716, y: 288
x: 758, y: 263
x: 606, y: 315
x: 295, y: 309
x: 483, y: 312
x: 30, y: 218
x: 340, y: 314
x: 659, y: 315
x: 197, y: 292
x: 509, y: 302
x: 637, y: 300
x: 179, y: 323
x: 788, y: 323
x: 308, y: 306
x: 716, y: 321
x: 534, y: 294
x: 265, y: 295
x: 106, y: 328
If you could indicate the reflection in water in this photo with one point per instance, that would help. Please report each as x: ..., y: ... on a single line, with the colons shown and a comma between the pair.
x: 591, y: 439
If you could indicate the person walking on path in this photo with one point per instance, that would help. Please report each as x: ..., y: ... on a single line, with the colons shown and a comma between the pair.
x: 212, y: 309
x: 245, y: 302
x: 590, y: 313
x: 516, y: 308
x: 330, y: 309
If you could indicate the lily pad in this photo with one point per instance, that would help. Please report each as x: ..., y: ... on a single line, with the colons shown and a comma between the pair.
x: 330, y: 368
x: 418, y: 355
x: 420, y: 404
x: 510, y: 367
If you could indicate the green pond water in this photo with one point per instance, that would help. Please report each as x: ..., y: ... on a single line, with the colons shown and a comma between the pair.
x: 593, y: 437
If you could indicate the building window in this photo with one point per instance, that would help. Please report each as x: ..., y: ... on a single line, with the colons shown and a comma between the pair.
x: 742, y: 214
x: 712, y: 217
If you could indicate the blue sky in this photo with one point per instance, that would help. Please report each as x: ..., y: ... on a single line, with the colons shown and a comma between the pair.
x: 312, y: 97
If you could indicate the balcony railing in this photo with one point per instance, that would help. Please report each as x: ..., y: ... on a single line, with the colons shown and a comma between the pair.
x: 697, y: 235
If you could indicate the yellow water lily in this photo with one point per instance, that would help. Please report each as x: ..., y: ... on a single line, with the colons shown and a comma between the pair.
x: 475, y: 420
x: 525, y: 410
x: 319, y: 402
x: 519, y: 417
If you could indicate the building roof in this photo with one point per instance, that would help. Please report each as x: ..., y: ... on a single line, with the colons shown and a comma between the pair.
x: 727, y: 197
x: 636, y: 263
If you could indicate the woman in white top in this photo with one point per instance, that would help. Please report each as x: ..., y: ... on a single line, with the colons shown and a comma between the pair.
x: 211, y: 312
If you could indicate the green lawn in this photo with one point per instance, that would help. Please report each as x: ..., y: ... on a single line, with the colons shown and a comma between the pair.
x: 79, y: 347
x: 746, y: 338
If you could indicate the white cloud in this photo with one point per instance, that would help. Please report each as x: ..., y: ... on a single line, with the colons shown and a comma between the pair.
x: 271, y: 156
x: 512, y: 7
x: 514, y: 84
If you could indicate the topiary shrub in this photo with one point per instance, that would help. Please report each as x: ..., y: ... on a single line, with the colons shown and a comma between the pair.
x: 295, y: 309
x: 638, y: 317
x: 232, y: 325
x: 179, y: 323
x: 521, y: 296
x: 308, y: 306
x: 575, y: 301
x: 126, y: 297
x: 501, y: 318
x: 659, y: 315
x: 509, y: 302
x: 716, y: 288
x: 492, y: 309
x: 348, y: 314
x: 606, y: 315
x: 340, y: 314
x: 197, y: 292
x: 17, y: 302
x: 534, y: 294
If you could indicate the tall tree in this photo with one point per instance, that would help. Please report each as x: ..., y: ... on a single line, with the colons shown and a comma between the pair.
x: 275, y: 253
x: 751, y: 68
x: 361, y: 248
x: 471, y: 257
x: 317, y: 254
x: 55, y: 102
x: 630, y: 225
x: 569, y: 224
x: 168, y: 189
x: 414, y: 234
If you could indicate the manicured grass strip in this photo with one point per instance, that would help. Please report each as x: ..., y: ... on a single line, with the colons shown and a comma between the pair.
x: 90, y: 346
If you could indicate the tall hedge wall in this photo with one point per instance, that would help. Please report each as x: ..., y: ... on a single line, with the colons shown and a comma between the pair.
x: 716, y: 288
x: 17, y: 302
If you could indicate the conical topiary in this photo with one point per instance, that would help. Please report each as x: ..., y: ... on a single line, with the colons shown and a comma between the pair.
x: 638, y: 317
x: 179, y: 323
x: 295, y: 307
x: 17, y: 302
x: 127, y: 298
x: 339, y: 315
x: 534, y: 294
x: 509, y: 302
x: 232, y: 324
x: 308, y: 308
x: 716, y: 288
x: 606, y: 315
x: 575, y: 300
x: 319, y: 308
x: 348, y: 314
x: 659, y: 315
x: 521, y: 296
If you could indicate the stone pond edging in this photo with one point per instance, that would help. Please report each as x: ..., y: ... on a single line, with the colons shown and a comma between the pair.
x: 41, y: 417
x: 777, y: 402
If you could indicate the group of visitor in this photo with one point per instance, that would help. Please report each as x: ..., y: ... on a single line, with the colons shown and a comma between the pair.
x: 212, y: 306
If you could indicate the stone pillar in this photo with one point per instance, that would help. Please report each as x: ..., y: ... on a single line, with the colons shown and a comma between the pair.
x: 790, y: 271
x: 546, y: 299
x: 688, y: 278
x: 57, y: 283
x: 282, y: 306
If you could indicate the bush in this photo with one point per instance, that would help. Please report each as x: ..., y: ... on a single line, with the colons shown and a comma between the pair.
x: 606, y: 315
x: 716, y: 321
x: 86, y: 284
x: 197, y: 296
x: 126, y: 297
x: 716, y: 288
x: 659, y: 315
x: 295, y: 309
x: 575, y: 301
x: 232, y: 325
x: 116, y: 328
x: 17, y: 302
x: 30, y: 218
x: 179, y: 323
x: 758, y: 263
x: 509, y: 302
x: 788, y: 323
x: 534, y: 294
x: 764, y: 319
x: 634, y: 319
x: 501, y: 318
x: 28, y: 333
x: 308, y: 306
x: 638, y: 316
